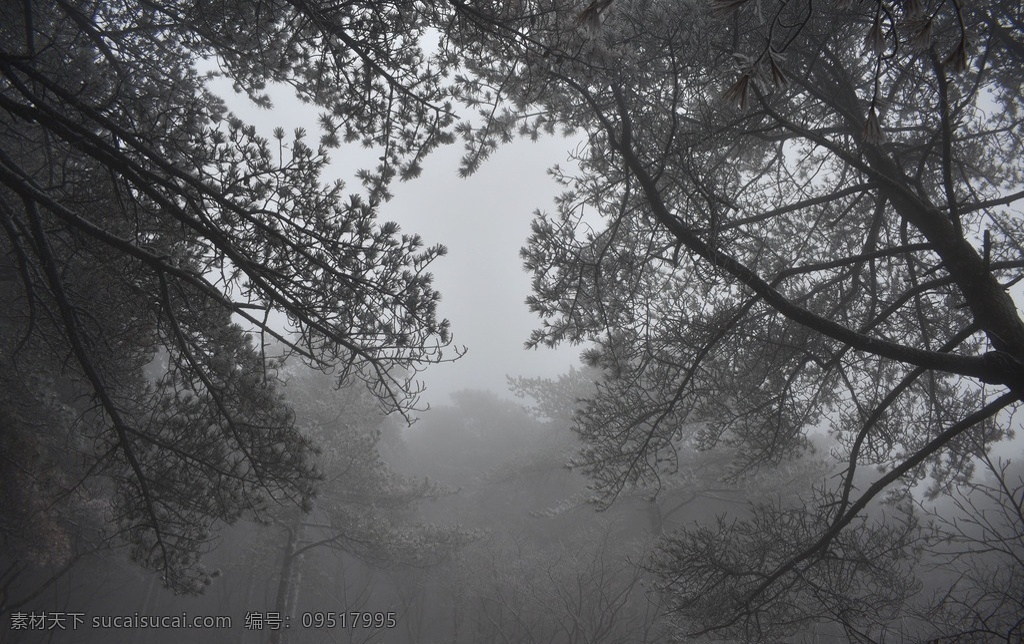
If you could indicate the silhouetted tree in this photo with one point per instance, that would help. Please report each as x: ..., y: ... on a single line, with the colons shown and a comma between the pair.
x: 976, y: 546
x: 143, y: 224
x: 786, y: 216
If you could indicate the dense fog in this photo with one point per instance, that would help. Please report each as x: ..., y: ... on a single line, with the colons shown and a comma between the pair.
x: 528, y: 321
x: 468, y: 526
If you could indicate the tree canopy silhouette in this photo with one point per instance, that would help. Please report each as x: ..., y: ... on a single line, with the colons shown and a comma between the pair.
x: 147, y: 231
x: 786, y: 217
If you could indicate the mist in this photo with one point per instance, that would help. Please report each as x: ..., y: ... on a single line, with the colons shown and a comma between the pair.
x: 525, y: 322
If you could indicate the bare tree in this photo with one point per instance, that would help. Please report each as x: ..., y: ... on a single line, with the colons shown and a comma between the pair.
x: 977, y: 549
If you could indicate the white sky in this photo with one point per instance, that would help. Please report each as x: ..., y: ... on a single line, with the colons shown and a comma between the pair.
x: 483, y: 220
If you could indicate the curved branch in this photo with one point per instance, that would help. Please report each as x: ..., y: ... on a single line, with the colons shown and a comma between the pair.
x: 874, y: 490
x: 993, y: 367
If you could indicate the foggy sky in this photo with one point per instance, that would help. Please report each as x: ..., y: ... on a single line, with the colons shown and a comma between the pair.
x: 483, y: 221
